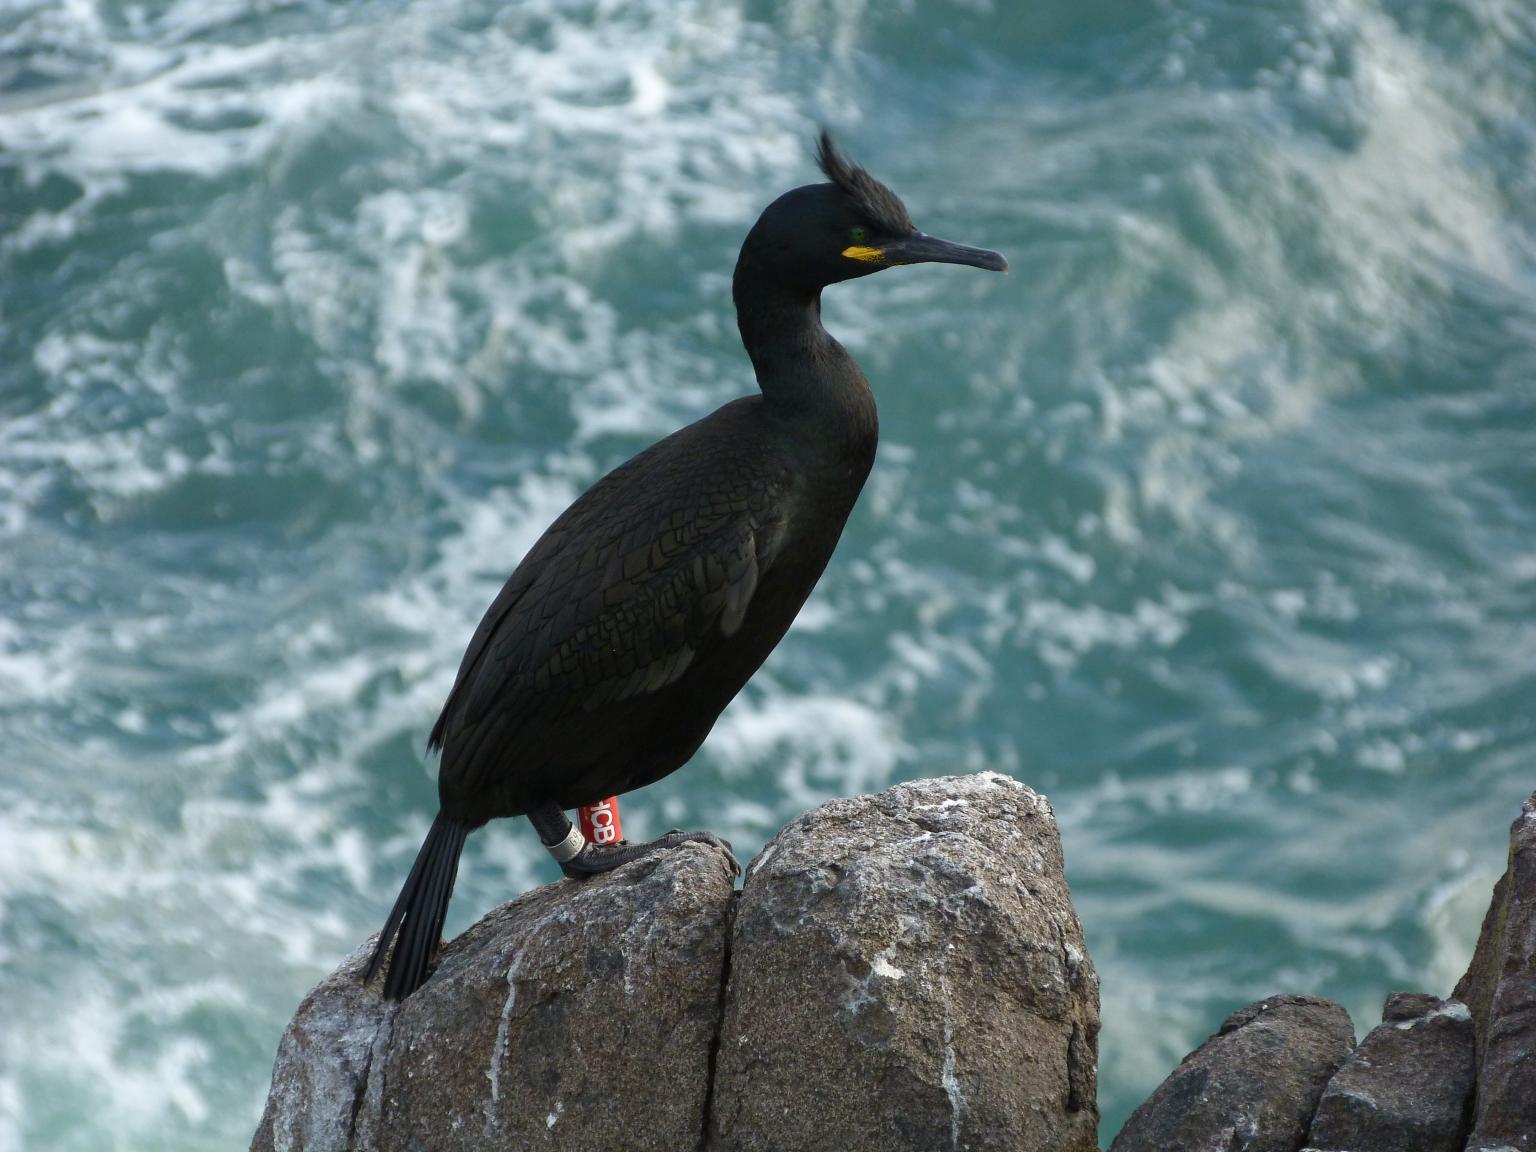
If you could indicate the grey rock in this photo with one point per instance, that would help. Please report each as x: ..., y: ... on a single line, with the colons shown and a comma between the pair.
x: 1401, y: 1006
x: 908, y: 972
x: 323, y: 1062
x: 1407, y: 1087
x: 1500, y: 990
x: 1252, y: 1087
x: 579, y: 1016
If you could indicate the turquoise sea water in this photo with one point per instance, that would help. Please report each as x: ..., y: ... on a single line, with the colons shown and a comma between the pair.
x: 1215, y: 520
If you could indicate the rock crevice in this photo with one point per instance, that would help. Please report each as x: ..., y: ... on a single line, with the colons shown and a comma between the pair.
x: 711, y: 1070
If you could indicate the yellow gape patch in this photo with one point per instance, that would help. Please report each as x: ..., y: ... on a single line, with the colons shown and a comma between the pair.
x: 861, y: 252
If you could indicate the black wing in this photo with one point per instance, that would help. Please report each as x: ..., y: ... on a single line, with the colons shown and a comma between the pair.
x: 653, y: 566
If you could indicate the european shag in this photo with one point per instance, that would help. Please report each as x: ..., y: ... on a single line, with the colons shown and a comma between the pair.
x: 641, y: 612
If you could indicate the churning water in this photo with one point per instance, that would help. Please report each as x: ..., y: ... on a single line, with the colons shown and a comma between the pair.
x: 1215, y: 520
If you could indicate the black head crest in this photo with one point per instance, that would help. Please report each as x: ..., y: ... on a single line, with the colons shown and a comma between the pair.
x: 873, y: 199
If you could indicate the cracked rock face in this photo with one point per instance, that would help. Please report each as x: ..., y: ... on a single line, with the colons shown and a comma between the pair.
x: 566, y: 1010
x: 1252, y: 1087
x: 577, y: 1016
x: 908, y: 972
x: 1407, y: 1088
x: 1500, y: 990
x: 322, y: 1064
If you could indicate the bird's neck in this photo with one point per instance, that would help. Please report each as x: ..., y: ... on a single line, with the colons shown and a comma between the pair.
x: 801, y: 369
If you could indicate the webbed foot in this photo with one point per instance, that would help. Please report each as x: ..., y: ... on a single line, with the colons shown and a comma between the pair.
x: 594, y: 858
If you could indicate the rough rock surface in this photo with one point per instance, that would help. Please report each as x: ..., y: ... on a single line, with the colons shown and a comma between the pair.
x: 911, y: 974
x: 552, y: 1023
x: 1407, y: 1087
x: 908, y: 972
x: 1252, y: 1087
x: 322, y: 1063
x: 1500, y: 990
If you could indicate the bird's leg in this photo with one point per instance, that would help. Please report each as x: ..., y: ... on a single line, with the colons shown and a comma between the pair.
x: 561, y: 839
x: 577, y: 858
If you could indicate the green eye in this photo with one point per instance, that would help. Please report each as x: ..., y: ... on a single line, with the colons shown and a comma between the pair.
x: 857, y: 234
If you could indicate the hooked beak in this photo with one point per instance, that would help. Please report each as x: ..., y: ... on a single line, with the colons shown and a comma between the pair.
x: 921, y: 249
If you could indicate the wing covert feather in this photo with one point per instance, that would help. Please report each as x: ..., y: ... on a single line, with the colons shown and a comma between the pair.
x: 654, y: 566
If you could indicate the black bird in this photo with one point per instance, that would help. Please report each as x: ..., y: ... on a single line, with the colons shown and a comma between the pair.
x: 641, y: 612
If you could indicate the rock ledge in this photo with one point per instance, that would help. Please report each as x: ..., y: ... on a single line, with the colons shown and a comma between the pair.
x: 900, y: 971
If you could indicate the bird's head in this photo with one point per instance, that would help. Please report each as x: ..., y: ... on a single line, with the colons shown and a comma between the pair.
x: 850, y: 226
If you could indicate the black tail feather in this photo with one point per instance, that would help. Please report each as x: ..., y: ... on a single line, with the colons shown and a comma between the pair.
x: 415, y: 923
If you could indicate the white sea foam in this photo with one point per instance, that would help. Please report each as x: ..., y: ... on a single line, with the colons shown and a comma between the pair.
x: 209, y: 741
x: 821, y: 746
x: 1064, y: 632
x: 148, y: 1089
x: 142, y: 121
x: 328, y: 691
x: 12, y: 1113
x: 1403, y: 187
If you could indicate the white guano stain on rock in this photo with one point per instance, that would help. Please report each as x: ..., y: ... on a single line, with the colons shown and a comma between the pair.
x: 1364, y: 1098
x: 943, y: 805
x: 1451, y: 1009
x: 763, y: 858
x: 882, y: 966
x: 950, y: 1078
x: 499, y: 1049
x: 639, y: 940
x: 860, y: 989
